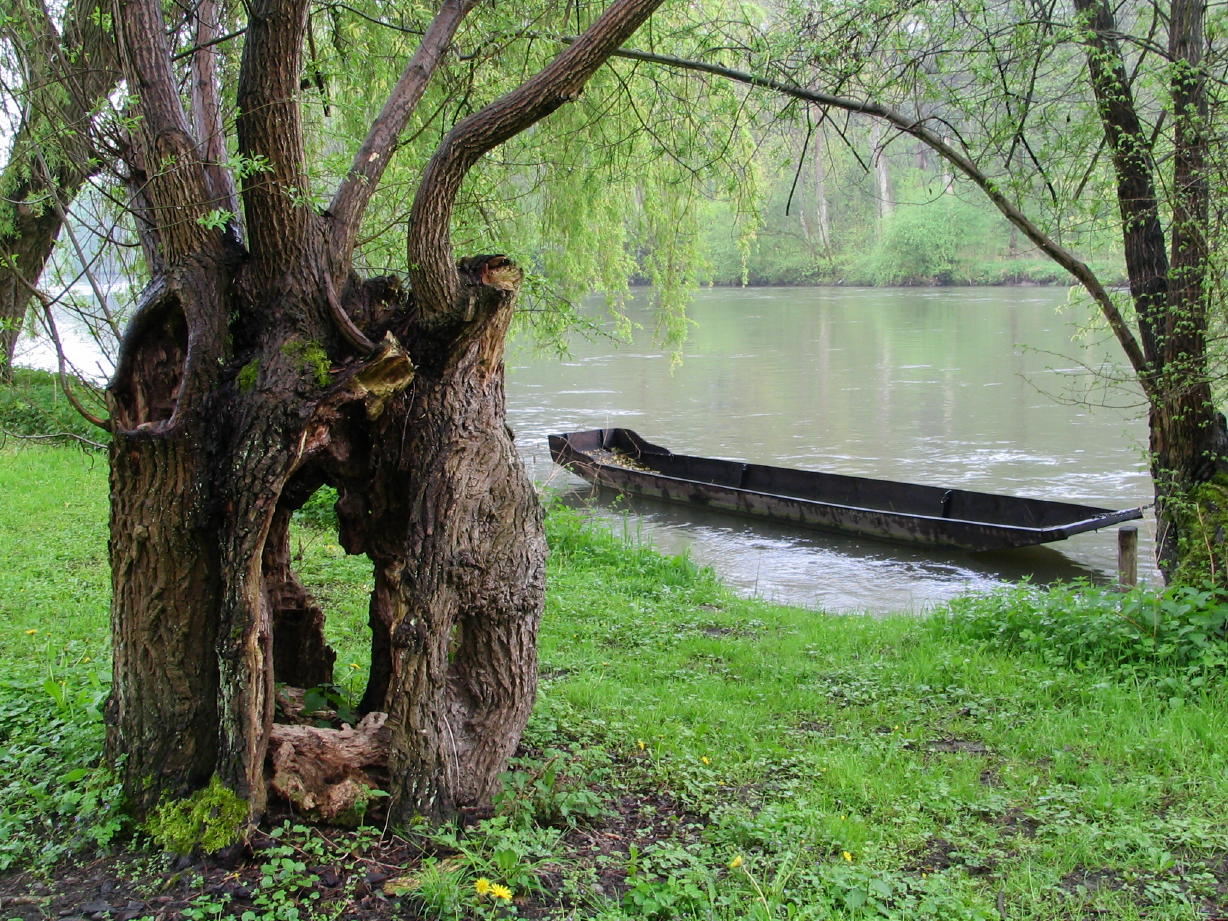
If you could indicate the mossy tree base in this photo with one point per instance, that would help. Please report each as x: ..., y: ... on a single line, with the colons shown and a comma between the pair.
x: 1202, y: 556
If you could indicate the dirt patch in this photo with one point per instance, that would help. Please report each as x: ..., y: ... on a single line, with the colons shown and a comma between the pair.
x: 938, y: 854
x: 139, y: 885
x: 813, y: 727
x: 950, y: 745
x: 1089, y: 881
x: 349, y: 883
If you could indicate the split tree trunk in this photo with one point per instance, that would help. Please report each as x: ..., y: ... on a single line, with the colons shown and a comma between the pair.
x: 259, y: 369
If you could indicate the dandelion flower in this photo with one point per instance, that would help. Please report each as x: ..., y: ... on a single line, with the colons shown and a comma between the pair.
x: 500, y: 892
x: 706, y: 760
x: 355, y: 665
x: 736, y: 862
x: 848, y: 856
x: 482, y: 886
x: 31, y: 632
x: 640, y: 743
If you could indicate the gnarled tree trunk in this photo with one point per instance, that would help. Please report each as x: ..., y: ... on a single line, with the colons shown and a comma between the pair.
x: 258, y: 369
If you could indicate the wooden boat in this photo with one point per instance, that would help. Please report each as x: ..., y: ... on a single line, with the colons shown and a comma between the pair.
x: 929, y: 515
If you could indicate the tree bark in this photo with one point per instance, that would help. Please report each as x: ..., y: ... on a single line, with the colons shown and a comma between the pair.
x: 459, y: 555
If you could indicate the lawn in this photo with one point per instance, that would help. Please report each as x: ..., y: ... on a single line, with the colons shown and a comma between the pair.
x: 693, y: 754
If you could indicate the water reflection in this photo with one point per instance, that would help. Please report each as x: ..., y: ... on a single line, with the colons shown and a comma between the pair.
x: 948, y: 387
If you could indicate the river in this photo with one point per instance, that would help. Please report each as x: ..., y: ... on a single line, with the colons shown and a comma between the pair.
x: 964, y: 387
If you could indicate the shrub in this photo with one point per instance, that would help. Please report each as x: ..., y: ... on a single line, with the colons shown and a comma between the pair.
x: 1178, y: 636
x: 34, y: 404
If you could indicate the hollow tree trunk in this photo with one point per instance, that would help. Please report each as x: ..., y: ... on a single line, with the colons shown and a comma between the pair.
x: 260, y: 368
x: 455, y: 532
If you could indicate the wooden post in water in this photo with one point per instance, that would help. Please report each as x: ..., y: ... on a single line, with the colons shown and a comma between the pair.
x: 1127, y: 557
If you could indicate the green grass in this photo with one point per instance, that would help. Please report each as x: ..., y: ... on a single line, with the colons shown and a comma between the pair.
x: 962, y: 766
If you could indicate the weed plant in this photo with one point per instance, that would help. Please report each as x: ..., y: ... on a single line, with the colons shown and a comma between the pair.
x: 1176, y: 638
x: 1033, y: 755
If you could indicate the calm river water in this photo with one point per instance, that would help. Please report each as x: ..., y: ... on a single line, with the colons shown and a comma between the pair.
x: 947, y: 386
x: 942, y: 386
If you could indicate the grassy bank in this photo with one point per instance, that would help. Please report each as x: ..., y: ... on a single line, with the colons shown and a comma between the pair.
x: 692, y: 755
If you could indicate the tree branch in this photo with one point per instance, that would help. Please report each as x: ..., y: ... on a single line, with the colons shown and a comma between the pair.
x: 279, y: 216
x: 372, y: 158
x: 1011, y: 211
x: 175, y: 187
x: 207, y: 106
x: 61, y: 359
x: 432, y: 263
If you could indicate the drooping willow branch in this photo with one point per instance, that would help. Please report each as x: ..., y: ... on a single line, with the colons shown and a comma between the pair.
x: 917, y: 129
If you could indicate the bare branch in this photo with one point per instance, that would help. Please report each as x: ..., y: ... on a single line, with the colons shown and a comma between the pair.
x: 372, y: 158
x: 432, y: 264
x: 61, y: 359
x: 917, y: 129
x: 207, y: 105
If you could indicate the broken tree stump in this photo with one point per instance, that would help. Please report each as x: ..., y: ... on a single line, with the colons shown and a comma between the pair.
x: 326, y: 774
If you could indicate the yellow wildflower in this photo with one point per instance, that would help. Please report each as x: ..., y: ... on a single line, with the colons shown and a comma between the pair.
x: 705, y: 759
x: 640, y: 743
x: 736, y: 862
x: 31, y: 632
x: 848, y: 856
x: 355, y: 665
x: 482, y: 886
x: 500, y: 892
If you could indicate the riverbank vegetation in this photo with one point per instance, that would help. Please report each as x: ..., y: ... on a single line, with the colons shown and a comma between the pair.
x: 693, y: 754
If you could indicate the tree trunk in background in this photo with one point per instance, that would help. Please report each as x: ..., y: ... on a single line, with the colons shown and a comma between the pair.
x: 882, y: 171
x: 1189, y: 440
x: 822, y: 207
x: 68, y: 79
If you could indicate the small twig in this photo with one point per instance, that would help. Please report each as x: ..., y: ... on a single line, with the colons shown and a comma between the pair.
x: 49, y: 319
x: 85, y: 441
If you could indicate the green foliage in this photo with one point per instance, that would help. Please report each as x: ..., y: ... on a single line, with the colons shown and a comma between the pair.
x: 547, y: 793
x: 1177, y: 637
x: 56, y: 799
x: 935, y: 242
x: 34, y: 404
x: 209, y: 820
x: 320, y: 511
x: 692, y: 754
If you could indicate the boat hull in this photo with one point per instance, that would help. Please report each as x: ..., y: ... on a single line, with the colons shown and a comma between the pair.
x: 880, y: 509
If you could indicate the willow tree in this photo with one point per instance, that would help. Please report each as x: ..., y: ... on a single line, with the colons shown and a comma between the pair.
x: 261, y: 365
